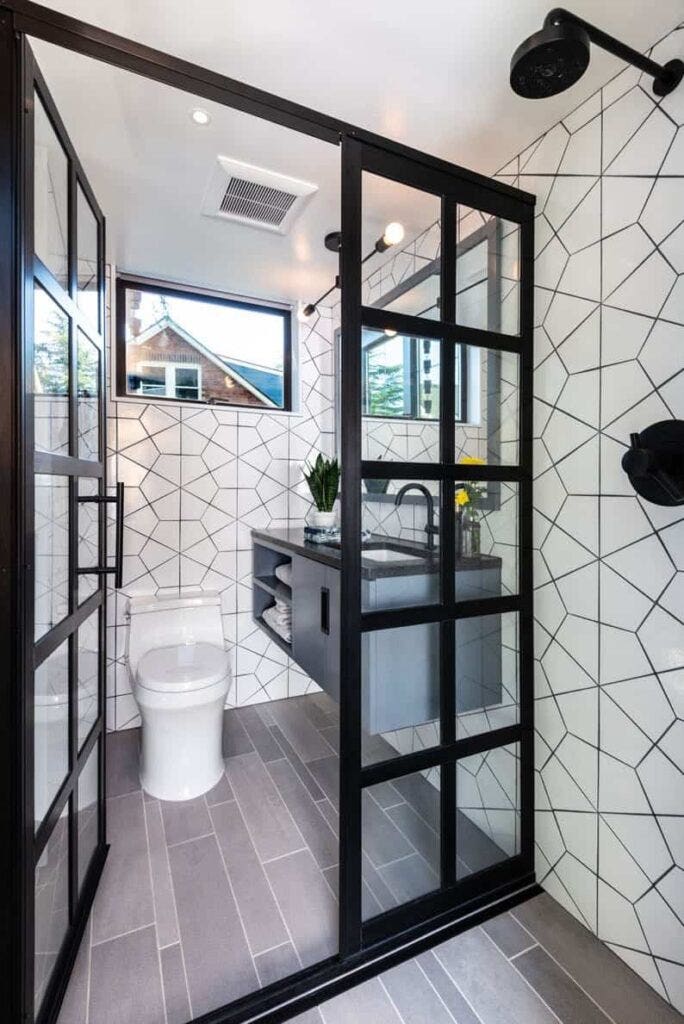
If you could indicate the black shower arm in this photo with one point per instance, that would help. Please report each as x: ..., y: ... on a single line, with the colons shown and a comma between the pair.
x: 559, y: 15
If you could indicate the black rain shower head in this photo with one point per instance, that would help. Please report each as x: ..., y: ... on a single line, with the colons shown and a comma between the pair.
x: 553, y: 59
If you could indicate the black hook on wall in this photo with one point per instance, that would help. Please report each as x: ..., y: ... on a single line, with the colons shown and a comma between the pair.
x: 654, y: 463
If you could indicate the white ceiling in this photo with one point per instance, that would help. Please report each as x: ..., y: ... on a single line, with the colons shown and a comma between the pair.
x: 433, y: 75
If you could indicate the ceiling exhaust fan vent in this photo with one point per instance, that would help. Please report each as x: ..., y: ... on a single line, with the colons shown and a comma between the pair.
x: 254, y: 196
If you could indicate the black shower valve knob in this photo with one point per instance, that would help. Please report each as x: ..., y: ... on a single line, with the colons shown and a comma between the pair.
x: 654, y: 462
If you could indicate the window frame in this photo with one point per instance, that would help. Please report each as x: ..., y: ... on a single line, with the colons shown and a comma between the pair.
x: 170, y: 379
x: 125, y: 282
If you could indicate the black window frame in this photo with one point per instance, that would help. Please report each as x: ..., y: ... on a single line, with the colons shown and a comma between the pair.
x: 125, y: 282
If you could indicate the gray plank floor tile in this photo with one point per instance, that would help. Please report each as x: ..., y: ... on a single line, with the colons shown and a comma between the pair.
x: 218, y: 964
x: 269, y: 822
x: 421, y: 795
x: 509, y: 936
x: 410, y: 877
x: 326, y: 772
x: 317, y: 713
x: 162, y: 889
x: 331, y: 734
x: 220, y: 793
x: 125, y: 982
x: 123, y: 762
x: 451, y: 995
x: 494, y: 989
x: 317, y: 834
x: 386, y: 794
x: 185, y: 819
x: 382, y: 840
x: 307, y: 904
x: 557, y: 989
x: 235, y: 739
x: 301, y: 733
x: 302, y: 771
x: 308, y: 1017
x: 124, y: 897
x: 382, y: 896
x: 413, y: 995
x: 417, y: 831
x: 175, y: 986
x: 367, y: 1002
x: 258, y: 909
x: 330, y: 814
x: 264, y: 713
x: 617, y: 990
x: 275, y: 964
x: 262, y: 738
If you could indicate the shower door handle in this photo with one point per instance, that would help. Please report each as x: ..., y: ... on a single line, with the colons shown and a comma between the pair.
x: 117, y: 569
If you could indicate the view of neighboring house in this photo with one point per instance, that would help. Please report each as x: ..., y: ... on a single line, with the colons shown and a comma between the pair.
x: 168, y: 362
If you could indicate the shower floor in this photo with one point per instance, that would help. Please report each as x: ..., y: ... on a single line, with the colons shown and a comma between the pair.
x: 206, y: 900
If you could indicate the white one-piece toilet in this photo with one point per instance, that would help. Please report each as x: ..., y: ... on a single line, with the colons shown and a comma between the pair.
x: 181, y: 677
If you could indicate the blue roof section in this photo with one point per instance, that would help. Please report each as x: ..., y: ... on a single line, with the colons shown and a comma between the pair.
x: 268, y: 382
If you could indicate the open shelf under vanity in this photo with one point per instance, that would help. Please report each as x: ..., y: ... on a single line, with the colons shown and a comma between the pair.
x: 268, y: 588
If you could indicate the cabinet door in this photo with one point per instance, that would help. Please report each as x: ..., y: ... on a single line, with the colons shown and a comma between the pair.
x: 308, y: 639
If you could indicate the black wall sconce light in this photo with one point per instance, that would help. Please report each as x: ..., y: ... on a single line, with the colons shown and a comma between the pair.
x: 556, y: 57
x: 654, y: 463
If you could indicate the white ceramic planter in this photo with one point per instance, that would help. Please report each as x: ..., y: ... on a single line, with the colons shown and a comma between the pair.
x: 323, y: 520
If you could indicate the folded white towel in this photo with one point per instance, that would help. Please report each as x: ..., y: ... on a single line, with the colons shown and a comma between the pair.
x: 282, y: 612
x: 283, y: 630
x: 284, y: 573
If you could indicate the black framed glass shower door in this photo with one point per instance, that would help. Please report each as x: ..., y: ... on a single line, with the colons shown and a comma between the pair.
x: 436, y: 654
x: 65, y: 526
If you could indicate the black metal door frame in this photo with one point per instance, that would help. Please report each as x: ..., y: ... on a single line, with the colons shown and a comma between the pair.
x: 32, y: 274
x: 358, y: 158
x: 384, y: 942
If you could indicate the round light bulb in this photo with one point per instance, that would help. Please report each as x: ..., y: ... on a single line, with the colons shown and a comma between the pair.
x: 394, y: 233
x: 200, y: 116
x: 390, y: 333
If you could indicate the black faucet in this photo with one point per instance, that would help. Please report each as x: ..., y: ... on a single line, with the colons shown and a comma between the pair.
x: 430, y: 527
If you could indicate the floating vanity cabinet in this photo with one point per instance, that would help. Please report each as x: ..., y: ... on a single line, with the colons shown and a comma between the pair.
x: 316, y: 622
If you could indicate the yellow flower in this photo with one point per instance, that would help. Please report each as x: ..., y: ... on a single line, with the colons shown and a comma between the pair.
x: 462, y: 497
x: 471, y: 460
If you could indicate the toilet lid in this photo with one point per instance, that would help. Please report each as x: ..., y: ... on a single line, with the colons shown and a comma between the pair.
x: 182, y: 667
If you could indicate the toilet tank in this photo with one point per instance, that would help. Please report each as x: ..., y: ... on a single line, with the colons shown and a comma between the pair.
x: 166, y: 621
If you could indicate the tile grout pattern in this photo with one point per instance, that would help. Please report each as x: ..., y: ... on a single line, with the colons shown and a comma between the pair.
x: 609, y: 574
x: 205, y: 900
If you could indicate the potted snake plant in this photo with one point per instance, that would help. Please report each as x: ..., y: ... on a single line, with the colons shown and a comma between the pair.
x: 323, y: 479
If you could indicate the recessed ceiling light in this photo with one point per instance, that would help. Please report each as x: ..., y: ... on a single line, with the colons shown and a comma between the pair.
x: 200, y: 116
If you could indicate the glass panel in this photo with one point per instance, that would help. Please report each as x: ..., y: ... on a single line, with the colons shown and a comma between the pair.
x: 400, y: 840
x: 487, y: 272
x: 487, y: 673
x: 88, y: 536
x: 50, y: 729
x: 51, y: 551
x: 87, y: 258
x: 399, y: 691
x: 51, y: 906
x: 401, y: 248
x: 400, y: 556
x: 88, y: 398
x: 87, y: 819
x: 491, y: 420
x: 487, y: 809
x: 193, y: 348
x: 50, y: 375
x: 486, y: 539
x: 50, y: 197
x: 88, y: 674
x: 400, y: 381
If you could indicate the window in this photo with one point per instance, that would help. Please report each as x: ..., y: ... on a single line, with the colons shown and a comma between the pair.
x: 175, y: 344
x: 401, y: 377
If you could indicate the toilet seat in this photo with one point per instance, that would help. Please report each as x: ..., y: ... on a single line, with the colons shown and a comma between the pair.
x: 182, y: 668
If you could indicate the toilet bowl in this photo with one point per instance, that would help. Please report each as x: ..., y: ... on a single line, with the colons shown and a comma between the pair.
x: 180, y: 681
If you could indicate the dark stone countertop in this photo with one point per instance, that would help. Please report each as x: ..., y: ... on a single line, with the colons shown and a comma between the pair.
x: 329, y: 554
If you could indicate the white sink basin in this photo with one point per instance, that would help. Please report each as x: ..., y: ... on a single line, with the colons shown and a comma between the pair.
x: 388, y: 555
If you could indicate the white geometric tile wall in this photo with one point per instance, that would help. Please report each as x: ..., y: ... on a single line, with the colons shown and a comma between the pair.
x: 197, y: 482
x: 609, y: 356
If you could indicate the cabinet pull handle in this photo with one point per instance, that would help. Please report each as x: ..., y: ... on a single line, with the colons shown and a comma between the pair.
x: 325, y: 611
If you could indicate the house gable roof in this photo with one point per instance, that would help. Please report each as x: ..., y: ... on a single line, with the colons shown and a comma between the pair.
x: 267, y: 385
